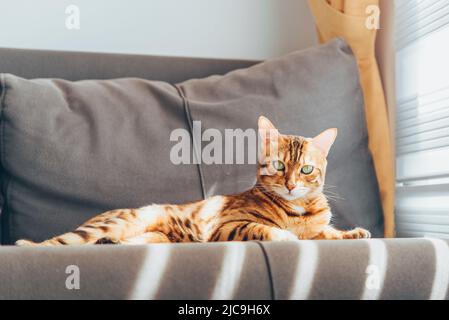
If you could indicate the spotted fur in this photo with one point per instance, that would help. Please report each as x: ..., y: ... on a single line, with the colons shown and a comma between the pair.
x: 283, y: 205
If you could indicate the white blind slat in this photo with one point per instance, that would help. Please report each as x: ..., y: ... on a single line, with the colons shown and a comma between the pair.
x: 426, y: 124
x: 421, y: 219
x: 423, y: 145
x: 422, y: 165
x: 417, y: 13
x: 420, y: 19
x: 417, y: 234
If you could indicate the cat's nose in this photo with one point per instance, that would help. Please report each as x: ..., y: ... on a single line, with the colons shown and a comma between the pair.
x: 290, y: 186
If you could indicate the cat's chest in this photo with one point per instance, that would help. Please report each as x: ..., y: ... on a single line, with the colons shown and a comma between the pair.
x: 307, y: 224
x: 299, y: 209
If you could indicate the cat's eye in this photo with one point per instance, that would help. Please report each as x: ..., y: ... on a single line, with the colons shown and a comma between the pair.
x: 278, y: 165
x: 307, y: 169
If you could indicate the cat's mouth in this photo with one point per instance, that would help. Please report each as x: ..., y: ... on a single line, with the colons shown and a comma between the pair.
x: 296, y: 193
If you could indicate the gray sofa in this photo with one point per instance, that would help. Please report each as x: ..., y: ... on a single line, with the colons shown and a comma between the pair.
x: 349, y: 269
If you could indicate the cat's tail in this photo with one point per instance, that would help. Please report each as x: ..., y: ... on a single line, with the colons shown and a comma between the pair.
x: 62, y: 240
x: 77, y: 237
x: 29, y: 243
x: 25, y: 243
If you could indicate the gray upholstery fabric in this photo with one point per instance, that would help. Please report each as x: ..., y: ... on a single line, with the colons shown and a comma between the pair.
x: 360, y: 269
x: 160, y: 271
x: 344, y: 269
x: 73, y: 149
x: 73, y: 66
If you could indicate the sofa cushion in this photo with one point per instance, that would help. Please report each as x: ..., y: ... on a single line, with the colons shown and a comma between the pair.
x: 70, y: 150
x: 303, y: 93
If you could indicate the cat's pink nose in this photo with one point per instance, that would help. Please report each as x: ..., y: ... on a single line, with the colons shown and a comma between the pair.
x: 290, y: 186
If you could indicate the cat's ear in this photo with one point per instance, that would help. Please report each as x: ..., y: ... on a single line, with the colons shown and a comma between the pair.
x: 265, y: 124
x: 324, y: 140
x: 268, y: 136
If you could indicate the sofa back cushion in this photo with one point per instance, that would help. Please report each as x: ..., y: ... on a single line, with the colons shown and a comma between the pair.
x: 70, y: 150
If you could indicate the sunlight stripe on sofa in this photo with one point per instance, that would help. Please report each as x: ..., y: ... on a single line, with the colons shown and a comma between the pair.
x: 305, y: 270
x: 151, y: 272
x: 441, y: 279
x: 231, y: 271
x: 376, y: 269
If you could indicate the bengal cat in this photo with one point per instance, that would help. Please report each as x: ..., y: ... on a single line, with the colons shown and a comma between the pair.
x: 287, y: 203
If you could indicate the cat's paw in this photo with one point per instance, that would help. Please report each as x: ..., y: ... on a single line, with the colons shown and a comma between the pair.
x: 357, y: 233
x: 25, y: 243
x: 282, y: 235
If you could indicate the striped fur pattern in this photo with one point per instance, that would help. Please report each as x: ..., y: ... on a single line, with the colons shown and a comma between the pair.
x: 287, y: 203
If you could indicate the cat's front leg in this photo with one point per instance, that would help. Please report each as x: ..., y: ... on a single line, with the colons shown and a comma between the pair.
x: 257, y: 231
x: 247, y: 231
x: 330, y: 233
x: 356, y: 233
x: 277, y: 234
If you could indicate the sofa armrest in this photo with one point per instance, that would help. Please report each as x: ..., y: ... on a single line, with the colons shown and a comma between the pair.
x: 346, y: 269
x: 158, y: 271
x: 360, y: 269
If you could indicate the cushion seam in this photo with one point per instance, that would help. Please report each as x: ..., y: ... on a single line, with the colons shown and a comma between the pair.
x: 188, y: 115
x: 5, y: 212
x: 269, y: 271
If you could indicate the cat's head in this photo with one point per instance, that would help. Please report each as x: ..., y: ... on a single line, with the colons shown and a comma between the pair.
x: 292, y: 166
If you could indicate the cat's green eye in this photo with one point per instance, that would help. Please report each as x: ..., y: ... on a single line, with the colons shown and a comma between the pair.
x: 278, y: 165
x: 307, y: 169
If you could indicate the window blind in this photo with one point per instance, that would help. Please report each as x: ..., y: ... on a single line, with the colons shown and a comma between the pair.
x: 422, y: 118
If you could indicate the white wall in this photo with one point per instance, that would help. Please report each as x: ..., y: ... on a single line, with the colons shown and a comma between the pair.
x: 248, y: 29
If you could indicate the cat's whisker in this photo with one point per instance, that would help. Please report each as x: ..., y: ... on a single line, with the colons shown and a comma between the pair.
x: 335, y: 199
x: 332, y: 194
